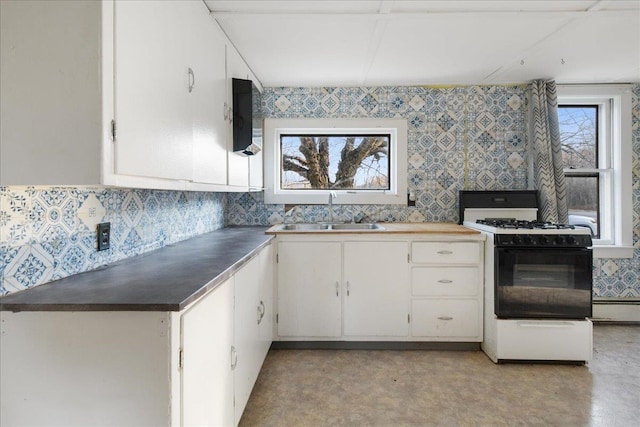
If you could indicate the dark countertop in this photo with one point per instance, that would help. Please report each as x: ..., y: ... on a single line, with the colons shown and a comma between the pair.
x: 166, y: 279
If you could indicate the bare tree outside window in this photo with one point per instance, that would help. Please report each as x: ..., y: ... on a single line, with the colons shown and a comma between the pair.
x: 349, y: 162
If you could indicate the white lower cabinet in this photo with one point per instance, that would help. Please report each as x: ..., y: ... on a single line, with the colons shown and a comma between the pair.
x: 309, y: 289
x: 207, y: 375
x: 326, y: 291
x: 130, y: 368
x: 445, y: 319
x: 247, y: 356
x: 372, y: 288
x: 377, y: 289
x: 446, y: 290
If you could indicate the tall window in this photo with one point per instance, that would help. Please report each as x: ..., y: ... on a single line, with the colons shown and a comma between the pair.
x: 579, y: 125
x: 364, y: 161
x: 595, y: 130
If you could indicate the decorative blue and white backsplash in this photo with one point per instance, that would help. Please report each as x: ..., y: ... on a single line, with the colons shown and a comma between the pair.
x: 488, y: 120
x: 48, y: 233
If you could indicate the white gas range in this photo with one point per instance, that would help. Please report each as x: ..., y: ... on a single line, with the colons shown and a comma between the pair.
x: 538, y: 279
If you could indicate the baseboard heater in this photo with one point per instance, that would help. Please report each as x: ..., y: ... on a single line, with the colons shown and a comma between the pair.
x: 616, y: 311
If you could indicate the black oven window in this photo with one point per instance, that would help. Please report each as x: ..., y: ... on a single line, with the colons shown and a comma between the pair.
x: 543, y: 275
x: 543, y: 283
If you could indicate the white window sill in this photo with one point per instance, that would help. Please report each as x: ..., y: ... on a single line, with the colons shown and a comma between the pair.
x: 610, y: 251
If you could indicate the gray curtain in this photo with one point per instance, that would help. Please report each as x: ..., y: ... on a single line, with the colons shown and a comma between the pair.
x: 546, y: 152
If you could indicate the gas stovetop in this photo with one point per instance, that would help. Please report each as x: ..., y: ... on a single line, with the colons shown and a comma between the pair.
x: 523, y: 224
x: 518, y: 226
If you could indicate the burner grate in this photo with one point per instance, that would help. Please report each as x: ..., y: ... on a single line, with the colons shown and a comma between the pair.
x: 518, y: 224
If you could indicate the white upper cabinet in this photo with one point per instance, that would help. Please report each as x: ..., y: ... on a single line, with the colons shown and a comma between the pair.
x: 208, y: 102
x: 156, y: 70
x: 153, y: 78
x: 238, y: 164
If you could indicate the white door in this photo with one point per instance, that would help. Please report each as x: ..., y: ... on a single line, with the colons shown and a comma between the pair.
x: 238, y: 165
x: 152, y: 111
x: 207, y: 379
x: 376, y: 276
x: 267, y: 263
x: 309, y: 289
x: 247, y: 338
x: 208, y: 98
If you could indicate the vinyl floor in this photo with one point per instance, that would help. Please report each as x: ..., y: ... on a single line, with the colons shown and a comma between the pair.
x: 448, y: 388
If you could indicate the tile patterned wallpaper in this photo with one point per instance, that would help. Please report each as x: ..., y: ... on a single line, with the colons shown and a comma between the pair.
x: 49, y: 233
x: 490, y: 120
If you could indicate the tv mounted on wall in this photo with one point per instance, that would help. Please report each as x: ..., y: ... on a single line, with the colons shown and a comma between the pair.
x: 247, y: 118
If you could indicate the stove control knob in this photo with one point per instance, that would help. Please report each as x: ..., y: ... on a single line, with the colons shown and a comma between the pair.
x: 544, y: 240
x: 527, y: 239
x: 571, y: 240
x: 517, y: 240
x: 560, y: 240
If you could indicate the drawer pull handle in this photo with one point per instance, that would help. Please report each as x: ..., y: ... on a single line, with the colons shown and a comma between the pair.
x: 337, y: 288
x: 549, y: 324
x: 445, y: 318
x: 445, y: 281
x: 445, y: 252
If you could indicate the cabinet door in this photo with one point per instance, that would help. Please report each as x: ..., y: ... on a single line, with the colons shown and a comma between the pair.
x: 376, y: 278
x: 238, y: 165
x: 207, y: 379
x: 255, y: 171
x: 309, y: 294
x: 247, y: 338
x: 208, y: 97
x: 267, y: 263
x: 152, y: 111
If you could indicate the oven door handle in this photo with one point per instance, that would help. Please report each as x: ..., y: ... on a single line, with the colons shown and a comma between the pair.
x: 546, y: 324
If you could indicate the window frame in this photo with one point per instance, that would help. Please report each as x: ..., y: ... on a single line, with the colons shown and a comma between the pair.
x: 396, y: 128
x: 614, y: 168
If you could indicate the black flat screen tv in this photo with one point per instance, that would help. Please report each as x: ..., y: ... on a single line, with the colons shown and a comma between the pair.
x: 247, y: 118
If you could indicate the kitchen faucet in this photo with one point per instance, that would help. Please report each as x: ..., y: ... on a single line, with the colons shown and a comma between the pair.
x: 332, y: 195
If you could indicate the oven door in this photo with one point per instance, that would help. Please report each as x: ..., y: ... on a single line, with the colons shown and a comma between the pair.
x: 532, y: 283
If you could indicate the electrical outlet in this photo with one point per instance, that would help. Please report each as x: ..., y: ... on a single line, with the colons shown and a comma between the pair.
x: 104, y: 236
x: 411, y: 198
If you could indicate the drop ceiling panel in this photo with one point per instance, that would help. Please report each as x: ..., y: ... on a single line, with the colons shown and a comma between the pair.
x: 291, y: 7
x: 471, y: 6
x: 302, y: 51
x: 449, y: 49
x: 602, y: 47
x: 402, y: 42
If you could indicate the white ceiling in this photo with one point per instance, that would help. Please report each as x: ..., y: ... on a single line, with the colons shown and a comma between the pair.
x: 394, y: 42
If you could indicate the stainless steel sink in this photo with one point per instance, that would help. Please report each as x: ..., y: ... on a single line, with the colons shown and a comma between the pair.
x: 303, y: 227
x: 328, y: 227
x: 352, y: 226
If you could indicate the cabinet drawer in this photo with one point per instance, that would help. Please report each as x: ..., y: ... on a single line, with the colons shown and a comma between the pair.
x: 445, y: 252
x: 544, y: 339
x: 444, y: 281
x: 445, y: 318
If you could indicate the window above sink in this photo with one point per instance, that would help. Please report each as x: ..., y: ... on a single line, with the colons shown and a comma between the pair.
x: 364, y: 161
